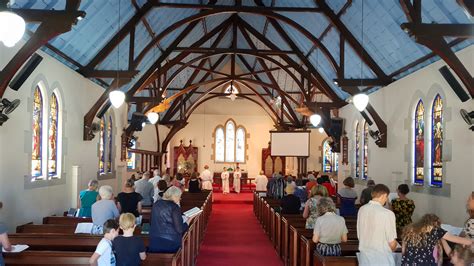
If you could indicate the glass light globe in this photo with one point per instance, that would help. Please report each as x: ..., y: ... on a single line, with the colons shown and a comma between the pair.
x: 117, y: 98
x: 12, y: 28
x: 360, y: 101
x: 153, y: 117
x: 315, y: 119
x: 321, y: 130
x: 143, y: 124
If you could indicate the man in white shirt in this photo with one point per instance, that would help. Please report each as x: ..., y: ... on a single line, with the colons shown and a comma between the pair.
x: 261, y: 182
x: 206, y: 178
x: 154, y: 180
x: 376, y: 230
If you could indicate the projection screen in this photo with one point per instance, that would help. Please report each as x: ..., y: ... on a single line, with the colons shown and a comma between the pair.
x: 292, y: 144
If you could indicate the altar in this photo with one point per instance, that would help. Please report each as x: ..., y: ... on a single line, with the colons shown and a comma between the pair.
x: 245, y: 181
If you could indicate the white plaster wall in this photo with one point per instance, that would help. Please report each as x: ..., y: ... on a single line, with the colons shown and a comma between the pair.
x: 391, y: 166
x: 78, y: 94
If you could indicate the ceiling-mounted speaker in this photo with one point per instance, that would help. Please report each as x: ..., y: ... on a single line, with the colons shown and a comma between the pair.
x: 454, y: 84
x: 104, y: 109
x: 25, y: 72
x: 367, y: 118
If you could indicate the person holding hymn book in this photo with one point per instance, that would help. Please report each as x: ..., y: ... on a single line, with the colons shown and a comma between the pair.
x: 104, y: 209
x: 194, y: 186
x: 87, y: 198
x: 261, y: 182
x: 129, y: 201
x: 290, y: 204
x: 329, y: 229
x: 129, y: 249
x: 167, y: 224
x: 420, y: 241
x: 237, y: 177
x: 225, y: 181
x: 104, y: 254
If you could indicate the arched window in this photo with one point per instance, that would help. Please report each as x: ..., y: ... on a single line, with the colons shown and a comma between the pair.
x: 419, y: 144
x: 219, y: 145
x: 366, y: 151
x: 53, y: 136
x: 437, y: 142
x: 131, y: 157
x: 102, y: 147
x: 230, y: 141
x: 357, y: 151
x: 110, y: 140
x: 37, y: 127
x: 330, y: 159
x: 240, y: 145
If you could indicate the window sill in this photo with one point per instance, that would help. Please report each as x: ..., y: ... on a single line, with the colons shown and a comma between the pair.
x: 41, y: 181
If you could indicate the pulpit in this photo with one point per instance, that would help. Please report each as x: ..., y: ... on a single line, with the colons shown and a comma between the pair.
x: 272, y: 164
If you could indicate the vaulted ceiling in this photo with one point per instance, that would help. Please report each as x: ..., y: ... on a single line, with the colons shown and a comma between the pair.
x: 297, y: 51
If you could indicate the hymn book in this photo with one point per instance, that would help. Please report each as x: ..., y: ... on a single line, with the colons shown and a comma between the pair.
x: 16, y: 248
x: 192, y: 212
x: 84, y: 228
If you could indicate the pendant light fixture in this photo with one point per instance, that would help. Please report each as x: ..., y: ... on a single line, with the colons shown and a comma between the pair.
x: 361, y: 100
x: 12, y: 28
x: 315, y: 119
x: 153, y: 117
x: 117, y: 97
x: 321, y: 130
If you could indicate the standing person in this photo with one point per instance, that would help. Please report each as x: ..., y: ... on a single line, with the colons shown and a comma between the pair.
x: 311, y: 183
x: 177, y: 181
x: 237, y: 177
x: 194, y: 186
x: 310, y: 212
x: 146, y: 189
x: 167, y: 224
x: 87, y: 198
x: 403, y: 207
x: 206, y: 179
x: 129, y: 249
x: 326, y: 182
x: 4, y: 241
x: 421, y: 238
x: 225, y: 181
x: 376, y: 230
x: 104, y: 255
x: 104, y: 209
x: 129, y: 201
x: 468, y: 230
x: 261, y: 182
x: 154, y: 180
x: 347, y: 196
x: 329, y: 229
x: 366, y: 194
x: 290, y: 204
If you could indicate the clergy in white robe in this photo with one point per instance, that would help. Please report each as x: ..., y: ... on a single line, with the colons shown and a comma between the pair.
x: 206, y: 178
x: 261, y: 182
x: 237, y: 176
x: 225, y: 181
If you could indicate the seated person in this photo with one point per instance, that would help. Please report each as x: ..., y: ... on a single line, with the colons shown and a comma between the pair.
x: 162, y: 186
x: 145, y: 188
x: 346, y: 196
x: 129, y: 249
x: 366, y: 194
x: 327, y: 183
x: 329, y: 229
x: 177, y: 181
x: 104, y: 209
x: 104, y: 254
x: 167, y: 224
x: 129, y: 201
x: 194, y: 185
x: 311, y: 183
x: 87, y: 198
x: 290, y: 204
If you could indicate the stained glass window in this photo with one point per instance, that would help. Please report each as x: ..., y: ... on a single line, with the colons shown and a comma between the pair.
x: 220, y: 145
x: 37, y: 127
x: 229, y: 141
x: 437, y: 142
x: 330, y: 159
x: 131, y: 159
x: 53, y: 136
x: 110, y: 142
x: 366, y: 151
x: 240, y: 145
x: 357, y: 152
x: 419, y: 144
x: 102, y: 147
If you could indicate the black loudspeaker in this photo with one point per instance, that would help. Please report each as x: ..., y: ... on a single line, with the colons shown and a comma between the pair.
x: 104, y: 109
x: 137, y: 120
x: 25, y: 72
x: 366, y: 117
x: 335, y: 131
x: 448, y: 76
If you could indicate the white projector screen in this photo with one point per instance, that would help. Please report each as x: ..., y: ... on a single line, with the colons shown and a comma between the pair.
x: 293, y: 144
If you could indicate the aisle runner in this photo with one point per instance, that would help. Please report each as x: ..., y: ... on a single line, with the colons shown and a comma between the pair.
x: 234, y: 236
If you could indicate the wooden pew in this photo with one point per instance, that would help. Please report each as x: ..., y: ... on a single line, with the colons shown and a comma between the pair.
x: 334, y: 261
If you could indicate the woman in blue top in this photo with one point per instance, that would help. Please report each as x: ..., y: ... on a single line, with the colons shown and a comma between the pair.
x: 346, y: 196
x: 167, y: 225
x: 88, y: 197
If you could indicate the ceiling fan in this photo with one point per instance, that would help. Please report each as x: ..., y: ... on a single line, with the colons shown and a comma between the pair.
x: 6, y: 107
x: 468, y: 117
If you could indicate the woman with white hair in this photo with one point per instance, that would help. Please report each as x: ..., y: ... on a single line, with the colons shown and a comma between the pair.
x: 104, y: 209
x: 87, y: 198
x: 167, y: 224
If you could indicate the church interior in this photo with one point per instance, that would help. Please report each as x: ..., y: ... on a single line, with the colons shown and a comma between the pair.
x: 227, y: 93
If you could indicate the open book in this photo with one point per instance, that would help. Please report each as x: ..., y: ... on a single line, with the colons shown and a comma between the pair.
x: 452, y: 229
x: 84, y: 228
x: 192, y: 212
x: 16, y: 248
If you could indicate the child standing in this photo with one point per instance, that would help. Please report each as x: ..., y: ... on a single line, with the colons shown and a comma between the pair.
x: 421, y: 238
x: 129, y: 249
x: 104, y: 255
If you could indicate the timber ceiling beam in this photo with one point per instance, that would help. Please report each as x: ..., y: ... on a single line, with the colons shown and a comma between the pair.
x: 362, y: 82
x: 238, y: 8
x: 234, y: 51
x: 439, y: 30
x: 468, y: 6
x: 47, y: 30
x: 110, y: 73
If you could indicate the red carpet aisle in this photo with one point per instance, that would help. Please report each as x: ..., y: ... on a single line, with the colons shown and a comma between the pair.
x: 234, y: 236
